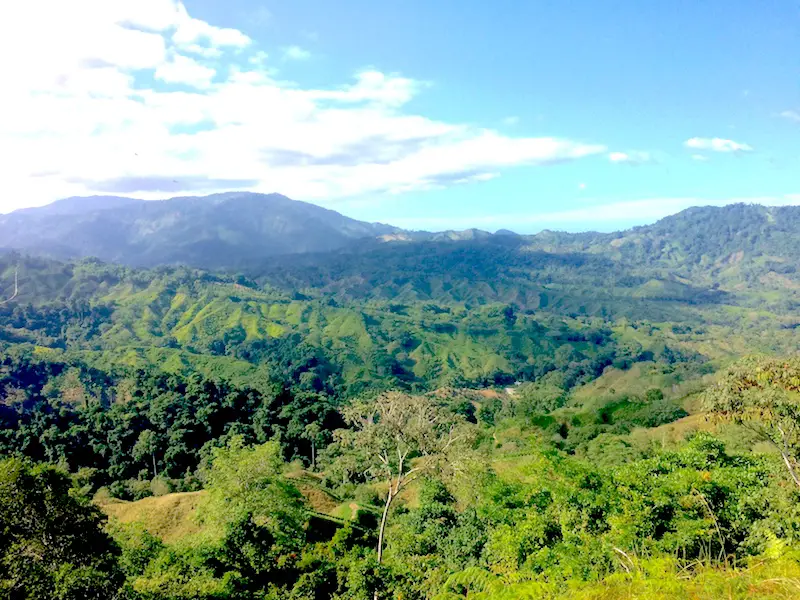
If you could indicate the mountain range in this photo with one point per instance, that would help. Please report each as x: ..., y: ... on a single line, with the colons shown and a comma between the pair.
x: 236, y: 229
x: 220, y: 230
x: 387, y: 306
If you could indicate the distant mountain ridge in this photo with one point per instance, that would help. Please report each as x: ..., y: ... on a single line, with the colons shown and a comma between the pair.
x: 426, y: 307
x: 241, y: 229
x: 220, y: 230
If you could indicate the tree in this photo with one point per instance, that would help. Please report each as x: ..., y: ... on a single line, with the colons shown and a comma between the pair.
x: 763, y: 394
x: 52, y: 543
x: 654, y: 395
x: 256, y: 513
x: 313, y: 433
x: 403, y: 437
x: 253, y: 533
x: 146, y: 445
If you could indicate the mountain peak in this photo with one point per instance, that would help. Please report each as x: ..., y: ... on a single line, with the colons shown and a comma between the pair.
x: 244, y: 195
x: 218, y: 230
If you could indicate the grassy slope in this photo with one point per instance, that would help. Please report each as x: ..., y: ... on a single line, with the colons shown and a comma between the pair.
x: 433, y: 311
x: 171, y: 517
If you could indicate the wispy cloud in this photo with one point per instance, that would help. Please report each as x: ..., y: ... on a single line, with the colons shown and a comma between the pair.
x: 182, y: 69
x: 717, y: 145
x: 632, y: 157
x: 296, y: 53
x: 142, y: 92
x: 791, y: 115
x: 511, y: 121
x: 699, y: 157
x: 195, y: 31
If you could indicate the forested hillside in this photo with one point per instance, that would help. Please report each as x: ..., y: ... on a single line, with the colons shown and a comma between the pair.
x: 220, y: 230
x: 236, y: 230
x: 693, y: 257
x: 415, y: 416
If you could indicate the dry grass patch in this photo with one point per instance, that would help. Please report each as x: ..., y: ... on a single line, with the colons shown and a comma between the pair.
x: 169, y: 517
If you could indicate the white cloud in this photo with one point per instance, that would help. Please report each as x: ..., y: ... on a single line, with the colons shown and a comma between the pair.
x: 511, y: 121
x: 259, y: 58
x: 716, y: 145
x: 182, y: 69
x: 630, y: 158
x: 37, y: 53
x: 618, y: 157
x: 204, y: 51
x: 699, y: 157
x: 791, y: 115
x: 191, y: 31
x: 296, y: 53
x: 153, y: 15
x: 581, y: 186
x: 374, y: 86
x: 83, y: 116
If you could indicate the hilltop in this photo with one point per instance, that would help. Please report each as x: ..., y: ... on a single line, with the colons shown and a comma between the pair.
x: 242, y: 230
x: 225, y: 419
x: 221, y: 230
x: 708, y: 281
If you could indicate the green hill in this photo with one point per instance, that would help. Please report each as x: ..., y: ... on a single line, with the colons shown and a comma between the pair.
x: 707, y: 283
x: 220, y: 230
x: 549, y: 416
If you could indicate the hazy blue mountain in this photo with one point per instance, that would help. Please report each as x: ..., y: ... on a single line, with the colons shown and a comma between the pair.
x: 703, y: 245
x: 220, y: 230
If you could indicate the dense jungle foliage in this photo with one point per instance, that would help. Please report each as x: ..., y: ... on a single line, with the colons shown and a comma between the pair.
x: 559, y: 416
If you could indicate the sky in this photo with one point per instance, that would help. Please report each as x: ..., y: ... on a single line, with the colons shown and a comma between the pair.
x: 526, y: 115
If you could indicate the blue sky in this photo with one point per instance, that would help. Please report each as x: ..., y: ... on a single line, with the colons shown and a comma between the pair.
x: 525, y: 115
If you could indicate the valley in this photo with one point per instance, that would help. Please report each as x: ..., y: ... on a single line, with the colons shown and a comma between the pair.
x: 413, y: 414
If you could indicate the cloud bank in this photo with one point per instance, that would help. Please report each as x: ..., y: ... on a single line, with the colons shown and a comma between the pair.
x: 716, y: 145
x: 631, y: 157
x: 139, y: 97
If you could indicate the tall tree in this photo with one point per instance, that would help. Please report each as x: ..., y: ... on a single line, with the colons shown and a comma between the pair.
x: 52, y: 543
x: 146, y: 446
x: 257, y: 513
x: 402, y: 437
x: 763, y: 394
x: 314, y: 434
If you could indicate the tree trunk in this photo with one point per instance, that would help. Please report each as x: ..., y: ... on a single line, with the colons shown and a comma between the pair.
x: 784, y: 450
x: 155, y: 472
x: 791, y: 468
x: 313, y: 456
x: 384, y: 516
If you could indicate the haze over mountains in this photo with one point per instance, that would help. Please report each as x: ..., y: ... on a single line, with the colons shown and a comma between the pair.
x: 212, y: 231
x: 606, y: 342
x: 232, y: 229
